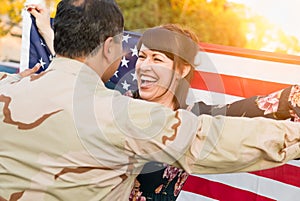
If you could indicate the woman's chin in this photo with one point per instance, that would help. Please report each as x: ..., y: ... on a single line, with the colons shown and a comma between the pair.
x: 145, y: 95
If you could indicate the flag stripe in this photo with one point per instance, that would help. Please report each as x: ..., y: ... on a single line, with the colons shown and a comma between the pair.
x: 249, y: 182
x: 220, y: 191
x: 210, y: 98
x: 288, y: 174
x: 248, y: 53
x: 25, y: 52
x: 233, y: 85
x: 189, y: 196
x: 294, y: 163
x: 249, y: 68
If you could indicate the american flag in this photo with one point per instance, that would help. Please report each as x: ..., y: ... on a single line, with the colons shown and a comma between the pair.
x: 34, y: 48
x: 124, y: 78
x: 225, y: 74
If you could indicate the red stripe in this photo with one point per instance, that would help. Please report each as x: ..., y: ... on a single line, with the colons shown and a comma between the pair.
x: 233, y: 85
x: 288, y: 174
x: 219, y: 191
x: 254, y: 54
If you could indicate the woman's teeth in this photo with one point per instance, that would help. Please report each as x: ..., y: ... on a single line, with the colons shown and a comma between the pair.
x: 147, y: 81
x: 147, y: 78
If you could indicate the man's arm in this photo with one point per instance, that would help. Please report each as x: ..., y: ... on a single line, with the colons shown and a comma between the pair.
x: 6, y: 78
x: 234, y: 144
x: 203, y: 144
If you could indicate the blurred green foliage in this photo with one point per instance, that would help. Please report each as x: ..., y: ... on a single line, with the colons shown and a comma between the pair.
x: 10, y: 12
x: 214, y: 21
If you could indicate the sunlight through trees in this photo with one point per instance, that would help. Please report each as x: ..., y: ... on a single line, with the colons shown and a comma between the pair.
x: 214, y: 21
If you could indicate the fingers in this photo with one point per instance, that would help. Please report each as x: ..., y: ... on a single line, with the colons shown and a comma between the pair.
x: 31, y: 71
x: 36, y: 67
x: 128, y: 93
x: 33, y: 12
x: 42, y: 19
x: 35, y: 9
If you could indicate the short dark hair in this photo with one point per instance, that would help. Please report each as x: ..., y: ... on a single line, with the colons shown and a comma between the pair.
x: 81, y: 26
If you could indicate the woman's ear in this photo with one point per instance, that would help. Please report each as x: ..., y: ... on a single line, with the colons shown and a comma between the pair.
x: 185, y: 70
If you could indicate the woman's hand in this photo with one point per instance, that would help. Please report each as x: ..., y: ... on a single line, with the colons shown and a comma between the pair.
x: 42, y: 18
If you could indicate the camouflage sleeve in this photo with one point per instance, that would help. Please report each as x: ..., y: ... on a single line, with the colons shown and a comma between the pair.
x: 203, y: 144
x: 234, y: 144
x: 6, y: 78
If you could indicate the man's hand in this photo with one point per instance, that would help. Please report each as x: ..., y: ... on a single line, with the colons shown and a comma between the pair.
x: 31, y: 71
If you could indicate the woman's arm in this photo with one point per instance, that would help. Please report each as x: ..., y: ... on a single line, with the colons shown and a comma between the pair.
x: 42, y: 17
x: 279, y: 105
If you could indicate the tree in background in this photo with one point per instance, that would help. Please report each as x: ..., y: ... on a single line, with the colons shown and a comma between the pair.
x: 10, y: 12
x: 262, y: 35
x: 218, y: 23
x: 214, y: 21
x: 140, y: 14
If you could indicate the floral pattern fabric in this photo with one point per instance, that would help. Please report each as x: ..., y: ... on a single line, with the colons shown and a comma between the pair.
x: 294, y: 100
x: 286, y: 101
x: 167, y: 188
x: 269, y: 104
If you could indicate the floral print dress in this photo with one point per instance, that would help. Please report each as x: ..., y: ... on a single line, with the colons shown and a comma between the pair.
x: 161, y: 182
x: 158, y: 181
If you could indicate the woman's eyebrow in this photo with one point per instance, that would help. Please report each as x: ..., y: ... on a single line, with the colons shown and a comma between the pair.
x: 159, y: 54
x: 154, y: 53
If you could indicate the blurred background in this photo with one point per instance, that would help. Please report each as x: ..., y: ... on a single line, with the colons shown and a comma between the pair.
x: 267, y: 25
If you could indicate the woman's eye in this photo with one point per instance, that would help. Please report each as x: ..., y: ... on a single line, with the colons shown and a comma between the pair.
x: 142, y: 56
x: 158, y: 59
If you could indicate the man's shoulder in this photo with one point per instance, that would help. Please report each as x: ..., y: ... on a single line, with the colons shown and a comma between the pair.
x: 6, y: 79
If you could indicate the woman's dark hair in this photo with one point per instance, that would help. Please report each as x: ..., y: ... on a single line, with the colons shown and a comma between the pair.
x: 181, y: 91
x: 81, y: 26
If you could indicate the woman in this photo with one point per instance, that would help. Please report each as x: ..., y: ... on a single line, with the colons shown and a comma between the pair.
x: 164, y: 70
x: 160, y: 71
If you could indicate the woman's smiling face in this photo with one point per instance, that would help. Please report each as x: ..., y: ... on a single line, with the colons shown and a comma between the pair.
x: 155, y: 76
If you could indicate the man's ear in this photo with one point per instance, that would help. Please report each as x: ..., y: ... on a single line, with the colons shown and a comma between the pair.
x: 186, y: 69
x: 107, y: 49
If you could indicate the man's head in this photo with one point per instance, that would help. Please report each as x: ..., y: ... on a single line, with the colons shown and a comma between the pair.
x: 83, y: 27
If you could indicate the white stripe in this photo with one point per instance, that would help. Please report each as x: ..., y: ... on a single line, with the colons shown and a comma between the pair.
x: 210, y: 98
x: 258, y: 185
x: 294, y: 163
x: 26, y: 25
x: 250, y: 68
x: 188, y: 196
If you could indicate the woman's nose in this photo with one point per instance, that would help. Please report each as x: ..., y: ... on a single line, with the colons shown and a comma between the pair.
x: 145, y: 64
